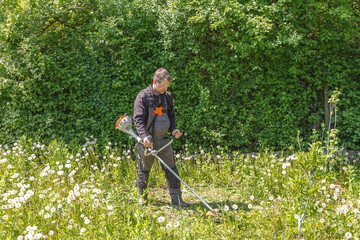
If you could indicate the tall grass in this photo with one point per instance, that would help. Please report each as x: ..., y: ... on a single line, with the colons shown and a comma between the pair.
x: 80, y: 192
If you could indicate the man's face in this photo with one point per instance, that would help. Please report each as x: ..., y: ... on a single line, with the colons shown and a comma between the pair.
x: 161, y: 86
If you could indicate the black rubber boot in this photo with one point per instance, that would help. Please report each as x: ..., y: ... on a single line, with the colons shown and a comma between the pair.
x: 176, y: 199
x: 174, y: 187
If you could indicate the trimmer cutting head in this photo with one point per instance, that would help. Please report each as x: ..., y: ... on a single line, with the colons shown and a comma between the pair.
x: 214, y: 213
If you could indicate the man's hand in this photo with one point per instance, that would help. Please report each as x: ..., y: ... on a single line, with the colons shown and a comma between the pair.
x: 176, y: 133
x: 147, y: 142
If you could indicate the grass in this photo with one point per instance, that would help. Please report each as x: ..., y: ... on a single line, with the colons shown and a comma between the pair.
x: 58, y: 192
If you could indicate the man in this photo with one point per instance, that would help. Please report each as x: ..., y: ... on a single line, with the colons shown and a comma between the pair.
x: 154, y: 116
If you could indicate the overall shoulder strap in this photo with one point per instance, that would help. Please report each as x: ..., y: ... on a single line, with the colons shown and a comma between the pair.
x: 149, y: 97
x: 164, y: 103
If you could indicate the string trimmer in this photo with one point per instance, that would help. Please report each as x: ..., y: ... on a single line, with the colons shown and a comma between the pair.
x: 124, y: 124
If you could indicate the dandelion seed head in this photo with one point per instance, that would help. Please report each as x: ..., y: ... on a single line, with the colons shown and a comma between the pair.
x: 38, y: 236
x: 348, y: 235
x: 161, y: 219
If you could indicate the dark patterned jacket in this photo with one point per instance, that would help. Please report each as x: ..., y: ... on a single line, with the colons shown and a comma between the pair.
x: 141, y: 110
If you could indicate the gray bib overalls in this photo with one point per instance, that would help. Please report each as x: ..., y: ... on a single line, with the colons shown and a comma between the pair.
x: 158, y: 129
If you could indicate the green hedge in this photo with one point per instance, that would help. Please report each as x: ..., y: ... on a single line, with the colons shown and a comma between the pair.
x: 247, y: 74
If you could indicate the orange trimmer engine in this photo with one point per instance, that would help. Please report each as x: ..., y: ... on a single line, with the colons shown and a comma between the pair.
x: 124, y: 124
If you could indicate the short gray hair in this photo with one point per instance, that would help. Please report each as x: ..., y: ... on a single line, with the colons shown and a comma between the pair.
x: 162, y: 74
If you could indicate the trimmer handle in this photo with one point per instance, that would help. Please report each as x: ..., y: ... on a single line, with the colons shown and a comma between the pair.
x: 155, y: 152
x: 150, y: 138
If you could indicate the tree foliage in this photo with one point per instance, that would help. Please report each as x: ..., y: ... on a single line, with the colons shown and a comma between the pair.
x: 247, y: 74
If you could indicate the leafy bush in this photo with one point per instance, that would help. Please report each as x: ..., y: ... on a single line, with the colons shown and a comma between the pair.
x: 247, y: 75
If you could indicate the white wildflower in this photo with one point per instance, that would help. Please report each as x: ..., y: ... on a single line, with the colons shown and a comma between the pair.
x: 161, y: 219
x: 348, y: 235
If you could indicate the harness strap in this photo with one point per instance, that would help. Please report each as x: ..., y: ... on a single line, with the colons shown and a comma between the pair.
x: 163, y: 102
x: 150, y: 98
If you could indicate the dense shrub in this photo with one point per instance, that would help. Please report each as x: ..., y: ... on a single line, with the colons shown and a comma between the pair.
x: 246, y: 74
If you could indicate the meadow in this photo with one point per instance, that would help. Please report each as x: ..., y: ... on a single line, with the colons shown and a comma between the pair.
x: 58, y: 191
